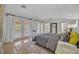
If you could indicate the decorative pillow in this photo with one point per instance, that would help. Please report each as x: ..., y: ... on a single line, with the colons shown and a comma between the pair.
x: 65, y: 37
x: 74, y: 38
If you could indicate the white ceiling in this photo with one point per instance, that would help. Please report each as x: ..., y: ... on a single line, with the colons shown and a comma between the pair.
x: 45, y: 11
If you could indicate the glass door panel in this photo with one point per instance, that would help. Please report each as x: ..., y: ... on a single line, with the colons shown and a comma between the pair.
x: 26, y: 27
x: 17, y: 28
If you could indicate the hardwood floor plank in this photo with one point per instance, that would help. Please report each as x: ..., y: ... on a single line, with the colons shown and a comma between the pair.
x: 25, y: 46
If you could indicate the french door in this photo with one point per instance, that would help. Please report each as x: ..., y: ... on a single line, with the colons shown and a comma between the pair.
x: 22, y: 27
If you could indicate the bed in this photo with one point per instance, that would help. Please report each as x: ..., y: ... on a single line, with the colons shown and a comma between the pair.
x: 66, y: 48
x: 48, y: 40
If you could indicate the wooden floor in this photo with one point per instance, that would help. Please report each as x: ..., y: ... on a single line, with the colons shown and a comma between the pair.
x: 25, y: 46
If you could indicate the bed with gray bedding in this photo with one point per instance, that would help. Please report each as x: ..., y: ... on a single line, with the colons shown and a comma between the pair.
x: 48, y: 40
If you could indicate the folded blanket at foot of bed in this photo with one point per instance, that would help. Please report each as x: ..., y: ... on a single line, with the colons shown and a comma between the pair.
x: 48, y: 40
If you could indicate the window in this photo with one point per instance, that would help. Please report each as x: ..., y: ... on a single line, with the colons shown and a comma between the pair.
x: 43, y: 27
x: 26, y: 27
x: 64, y: 26
x: 47, y: 27
x: 40, y: 28
x: 17, y: 28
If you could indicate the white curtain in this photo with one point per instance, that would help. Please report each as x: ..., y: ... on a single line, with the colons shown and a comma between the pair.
x: 9, y: 28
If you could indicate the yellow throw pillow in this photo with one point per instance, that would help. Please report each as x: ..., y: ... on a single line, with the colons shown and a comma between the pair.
x: 74, y: 38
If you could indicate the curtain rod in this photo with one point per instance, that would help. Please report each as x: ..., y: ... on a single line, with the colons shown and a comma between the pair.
x: 23, y: 17
x: 17, y: 16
